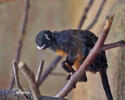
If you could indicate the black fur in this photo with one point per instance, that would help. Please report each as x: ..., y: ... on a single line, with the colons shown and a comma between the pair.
x: 105, y: 83
x: 72, y: 42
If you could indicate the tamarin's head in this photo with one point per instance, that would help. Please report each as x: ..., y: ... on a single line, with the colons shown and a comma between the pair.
x: 44, y: 39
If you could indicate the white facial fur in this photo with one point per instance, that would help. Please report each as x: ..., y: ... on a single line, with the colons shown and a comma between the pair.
x: 40, y: 48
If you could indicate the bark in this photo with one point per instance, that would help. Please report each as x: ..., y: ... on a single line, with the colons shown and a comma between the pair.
x: 16, y: 95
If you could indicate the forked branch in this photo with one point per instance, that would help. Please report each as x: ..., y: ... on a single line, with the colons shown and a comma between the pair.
x: 15, y: 73
x: 20, y: 41
x: 31, y: 80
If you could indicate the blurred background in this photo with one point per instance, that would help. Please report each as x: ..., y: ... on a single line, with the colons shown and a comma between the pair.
x: 60, y: 15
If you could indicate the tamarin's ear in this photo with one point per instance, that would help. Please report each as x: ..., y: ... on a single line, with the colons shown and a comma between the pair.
x: 48, y: 35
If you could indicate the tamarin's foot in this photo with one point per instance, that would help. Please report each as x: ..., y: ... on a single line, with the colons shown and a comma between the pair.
x: 68, y: 77
x: 67, y: 67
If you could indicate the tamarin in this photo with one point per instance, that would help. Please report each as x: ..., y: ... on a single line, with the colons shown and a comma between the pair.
x: 75, y: 45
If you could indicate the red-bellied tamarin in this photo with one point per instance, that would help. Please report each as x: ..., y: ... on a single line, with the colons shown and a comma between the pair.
x: 75, y: 45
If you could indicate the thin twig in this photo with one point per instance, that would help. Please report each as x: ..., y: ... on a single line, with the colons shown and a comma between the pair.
x: 15, y: 71
x: 92, y: 55
x: 23, y: 30
x: 58, y: 74
x: 85, y: 12
x: 21, y: 38
x: 31, y: 80
x: 97, y: 15
x: 113, y: 45
x: 39, y: 71
x: 16, y: 75
x: 49, y: 70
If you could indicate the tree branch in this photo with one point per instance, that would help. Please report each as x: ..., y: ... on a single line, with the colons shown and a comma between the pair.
x: 113, y: 45
x: 85, y: 12
x: 58, y: 74
x: 39, y: 72
x: 49, y: 70
x: 23, y: 30
x: 20, y: 41
x: 31, y: 80
x: 14, y: 64
x: 97, y: 15
x: 16, y: 95
x: 15, y: 71
x: 92, y: 55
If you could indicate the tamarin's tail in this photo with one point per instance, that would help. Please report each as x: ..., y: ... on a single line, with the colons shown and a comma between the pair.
x: 105, y: 83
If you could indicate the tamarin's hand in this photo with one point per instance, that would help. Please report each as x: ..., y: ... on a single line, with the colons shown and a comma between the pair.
x: 68, y: 66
